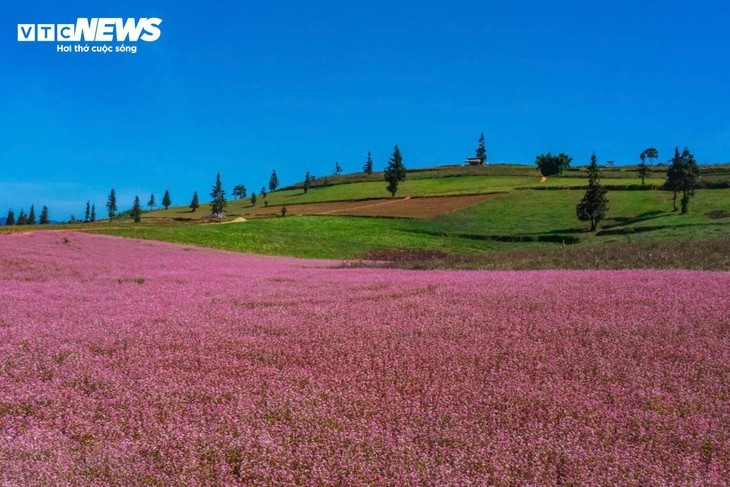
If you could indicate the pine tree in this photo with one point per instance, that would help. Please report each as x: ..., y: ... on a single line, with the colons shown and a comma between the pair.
x: 481, y: 152
x: 253, y: 199
x: 338, y: 169
x: 592, y: 208
x: 273, y: 182
x: 111, y: 204
x: 44, y: 216
x: 10, y: 219
x: 31, y: 215
x: 263, y: 191
x: 367, y: 168
x: 22, y: 219
x: 136, y: 213
x: 93, y: 213
x: 218, y: 194
x: 151, y: 203
x: 395, y: 172
x: 194, y: 204
x: 166, y: 201
x: 87, y: 214
x: 307, y: 182
x: 682, y: 177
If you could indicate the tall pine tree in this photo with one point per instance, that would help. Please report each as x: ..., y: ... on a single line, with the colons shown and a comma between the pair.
x: 111, y: 204
x: 194, y: 204
x: 44, y: 216
x: 367, y: 168
x: 31, y: 215
x: 92, y: 219
x: 481, y: 152
x: 166, y: 201
x: 87, y: 214
x: 592, y: 208
x: 307, y: 182
x: 273, y: 181
x: 682, y: 177
x: 136, y: 213
x: 218, y: 198
x: 395, y: 172
x: 10, y: 219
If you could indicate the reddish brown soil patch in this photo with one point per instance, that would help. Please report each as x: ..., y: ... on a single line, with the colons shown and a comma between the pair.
x: 407, y: 207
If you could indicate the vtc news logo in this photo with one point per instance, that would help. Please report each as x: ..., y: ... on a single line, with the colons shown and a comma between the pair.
x: 93, y: 30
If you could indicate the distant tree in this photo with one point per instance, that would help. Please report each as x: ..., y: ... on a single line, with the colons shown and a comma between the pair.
x: 263, y: 192
x: 166, y: 201
x: 325, y: 182
x: 643, y: 169
x: 652, y: 154
x: 253, y: 199
x: 307, y: 182
x: 239, y: 191
x: 481, y: 152
x: 395, y: 172
x: 367, y: 168
x: 338, y: 169
x: 87, y: 214
x: 136, y: 213
x: 93, y: 213
x: 266, y: 203
x: 111, y: 204
x: 283, y: 211
x: 22, y: 219
x: 218, y: 194
x: 273, y: 181
x: 682, y: 176
x: 550, y: 165
x: 72, y: 219
x: 592, y: 208
x: 151, y: 203
x: 194, y: 204
x: 31, y: 215
x: 10, y: 219
x: 44, y: 216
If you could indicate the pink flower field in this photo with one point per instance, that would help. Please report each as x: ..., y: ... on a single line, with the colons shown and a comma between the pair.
x: 126, y: 362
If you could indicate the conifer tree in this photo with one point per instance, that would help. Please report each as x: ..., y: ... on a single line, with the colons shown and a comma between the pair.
x: 22, y: 219
x: 166, y: 201
x: 93, y: 213
x: 10, y: 219
x: 263, y: 192
x: 44, y: 216
x: 367, y: 168
x: 31, y: 215
x: 151, y: 203
x: 481, y: 152
x: 395, y: 172
x: 682, y: 177
x: 592, y: 208
x: 253, y: 199
x: 273, y: 181
x: 218, y: 194
x: 194, y: 204
x: 111, y: 204
x: 307, y: 182
x: 338, y: 169
x: 87, y: 214
x: 136, y: 213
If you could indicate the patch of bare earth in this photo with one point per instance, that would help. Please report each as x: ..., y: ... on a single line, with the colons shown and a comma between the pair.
x: 405, y: 207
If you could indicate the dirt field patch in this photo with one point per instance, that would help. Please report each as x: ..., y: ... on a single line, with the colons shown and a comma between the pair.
x: 406, y: 207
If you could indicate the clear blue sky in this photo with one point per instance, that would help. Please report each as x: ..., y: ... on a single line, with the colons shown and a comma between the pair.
x: 245, y: 87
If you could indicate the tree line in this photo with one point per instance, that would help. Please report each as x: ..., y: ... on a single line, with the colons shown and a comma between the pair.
x: 682, y: 177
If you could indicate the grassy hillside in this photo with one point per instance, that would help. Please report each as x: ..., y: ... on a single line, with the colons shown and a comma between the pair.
x: 524, y: 218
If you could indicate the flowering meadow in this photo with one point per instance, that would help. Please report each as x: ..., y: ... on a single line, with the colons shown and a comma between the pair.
x: 126, y: 362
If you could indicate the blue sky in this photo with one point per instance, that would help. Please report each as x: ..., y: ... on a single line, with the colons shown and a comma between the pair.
x: 246, y: 87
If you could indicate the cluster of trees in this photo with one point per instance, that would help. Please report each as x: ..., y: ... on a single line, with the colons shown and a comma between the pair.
x: 27, y: 219
x: 681, y: 178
